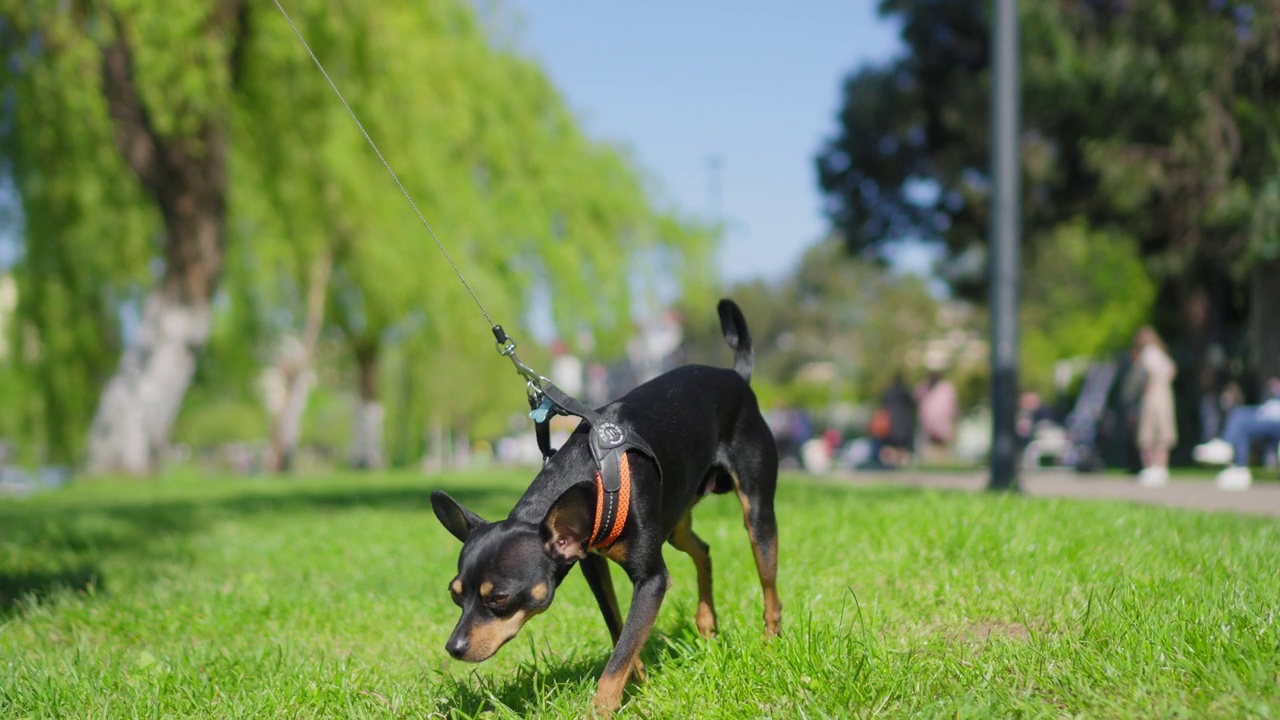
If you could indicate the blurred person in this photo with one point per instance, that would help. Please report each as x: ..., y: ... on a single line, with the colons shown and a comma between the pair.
x: 892, y: 428
x: 1157, y: 428
x: 791, y: 428
x: 1246, y: 425
x: 937, y: 410
x: 1031, y: 412
x: 1213, y: 381
x: 1231, y: 398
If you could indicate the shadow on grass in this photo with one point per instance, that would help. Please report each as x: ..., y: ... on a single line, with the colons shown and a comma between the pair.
x: 19, y: 590
x: 51, y: 544
x: 525, y: 691
x: 48, y: 546
x: 536, y: 685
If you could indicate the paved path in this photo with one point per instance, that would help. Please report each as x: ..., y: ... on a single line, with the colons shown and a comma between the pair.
x: 1261, y: 499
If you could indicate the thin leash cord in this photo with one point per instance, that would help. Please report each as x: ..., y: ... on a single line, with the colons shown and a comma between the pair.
x: 387, y: 165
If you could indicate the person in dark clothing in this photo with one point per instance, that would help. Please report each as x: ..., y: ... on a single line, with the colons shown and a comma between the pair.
x: 893, y: 426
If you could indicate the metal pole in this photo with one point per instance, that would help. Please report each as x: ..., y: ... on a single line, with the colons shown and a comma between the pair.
x: 714, y: 165
x: 1005, y: 229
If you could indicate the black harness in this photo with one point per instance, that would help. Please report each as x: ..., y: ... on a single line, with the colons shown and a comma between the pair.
x: 609, y: 442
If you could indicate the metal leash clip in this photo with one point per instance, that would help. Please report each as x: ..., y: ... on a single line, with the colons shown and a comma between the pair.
x: 533, y: 381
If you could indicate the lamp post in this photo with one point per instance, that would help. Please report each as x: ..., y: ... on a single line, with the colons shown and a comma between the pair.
x: 1004, y: 241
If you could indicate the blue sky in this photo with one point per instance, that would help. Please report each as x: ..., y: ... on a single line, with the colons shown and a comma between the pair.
x: 755, y: 84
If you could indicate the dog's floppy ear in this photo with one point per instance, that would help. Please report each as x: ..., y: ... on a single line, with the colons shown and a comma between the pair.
x: 458, y: 520
x: 566, y: 530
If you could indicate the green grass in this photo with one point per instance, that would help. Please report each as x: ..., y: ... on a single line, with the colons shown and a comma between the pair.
x: 327, y: 598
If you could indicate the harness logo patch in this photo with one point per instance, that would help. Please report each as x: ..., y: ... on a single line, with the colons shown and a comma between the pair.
x: 610, y: 435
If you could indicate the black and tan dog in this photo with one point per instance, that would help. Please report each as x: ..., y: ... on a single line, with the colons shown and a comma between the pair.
x: 707, y: 436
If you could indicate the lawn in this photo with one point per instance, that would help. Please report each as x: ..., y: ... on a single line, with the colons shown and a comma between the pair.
x: 327, y: 597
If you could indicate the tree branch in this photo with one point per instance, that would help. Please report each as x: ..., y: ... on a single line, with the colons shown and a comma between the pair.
x: 135, y: 134
x: 239, y: 41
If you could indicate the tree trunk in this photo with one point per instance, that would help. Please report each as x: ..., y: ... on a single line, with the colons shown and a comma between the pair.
x: 1264, y: 321
x: 433, y: 460
x: 186, y: 176
x: 461, y: 449
x: 140, y: 402
x: 293, y: 377
x: 366, y: 440
x: 291, y: 382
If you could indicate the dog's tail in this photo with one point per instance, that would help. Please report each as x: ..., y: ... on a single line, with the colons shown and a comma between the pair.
x: 734, y: 327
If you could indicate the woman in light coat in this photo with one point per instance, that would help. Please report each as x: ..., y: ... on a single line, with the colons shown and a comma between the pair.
x: 1157, y: 427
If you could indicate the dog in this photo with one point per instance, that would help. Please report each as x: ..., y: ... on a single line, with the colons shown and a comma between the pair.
x: 707, y: 435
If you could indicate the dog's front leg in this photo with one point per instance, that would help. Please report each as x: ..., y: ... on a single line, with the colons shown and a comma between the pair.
x: 645, y: 601
x: 596, y: 570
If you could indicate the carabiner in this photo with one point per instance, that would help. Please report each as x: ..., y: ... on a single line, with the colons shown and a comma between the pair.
x: 507, y: 348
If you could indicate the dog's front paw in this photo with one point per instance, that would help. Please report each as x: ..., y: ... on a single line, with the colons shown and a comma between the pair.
x: 706, y: 621
x: 602, y: 709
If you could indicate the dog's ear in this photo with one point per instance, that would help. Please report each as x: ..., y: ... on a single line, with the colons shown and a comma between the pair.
x: 458, y: 520
x: 566, y: 530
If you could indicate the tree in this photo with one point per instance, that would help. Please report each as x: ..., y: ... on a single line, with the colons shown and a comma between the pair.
x: 159, y: 80
x: 518, y: 197
x: 204, y: 144
x: 71, y: 282
x: 1085, y: 295
x: 833, y: 309
x: 1135, y: 119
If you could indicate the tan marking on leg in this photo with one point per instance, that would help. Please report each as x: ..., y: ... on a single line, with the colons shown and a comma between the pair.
x: 616, y: 552
x: 687, y: 542
x: 767, y: 566
x: 539, y: 592
x: 609, y: 690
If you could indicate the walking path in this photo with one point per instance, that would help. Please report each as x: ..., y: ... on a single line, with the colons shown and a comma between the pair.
x: 1193, y: 492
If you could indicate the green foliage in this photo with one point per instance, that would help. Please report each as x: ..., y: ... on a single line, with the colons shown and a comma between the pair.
x: 1085, y: 294
x: 328, y: 597
x: 86, y: 226
x: 1114, y: 124
x: 839, y: 328
x: 1156, y: 119
x: 494, y: 160
x: 89, y: 231
x: 518, y: 195
x: 214, y: 421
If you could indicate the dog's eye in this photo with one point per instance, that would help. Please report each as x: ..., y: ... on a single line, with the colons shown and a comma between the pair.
x: 500, y: 605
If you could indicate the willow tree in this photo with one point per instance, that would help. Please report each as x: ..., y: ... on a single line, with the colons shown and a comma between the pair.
x: 155, y: 146
x: 154, y: 81
x: 518, y: 196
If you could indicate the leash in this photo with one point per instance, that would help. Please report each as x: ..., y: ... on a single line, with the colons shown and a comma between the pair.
x: 505, y: 344
x: 609, y: 441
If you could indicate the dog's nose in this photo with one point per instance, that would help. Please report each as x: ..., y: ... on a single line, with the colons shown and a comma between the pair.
x: 457, y: 646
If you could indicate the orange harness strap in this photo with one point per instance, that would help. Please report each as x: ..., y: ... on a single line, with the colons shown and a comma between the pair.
x: 611, y: 508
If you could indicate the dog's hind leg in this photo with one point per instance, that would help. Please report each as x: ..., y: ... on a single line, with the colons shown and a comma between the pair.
x: 684, y: 539
x: 756, y: 481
